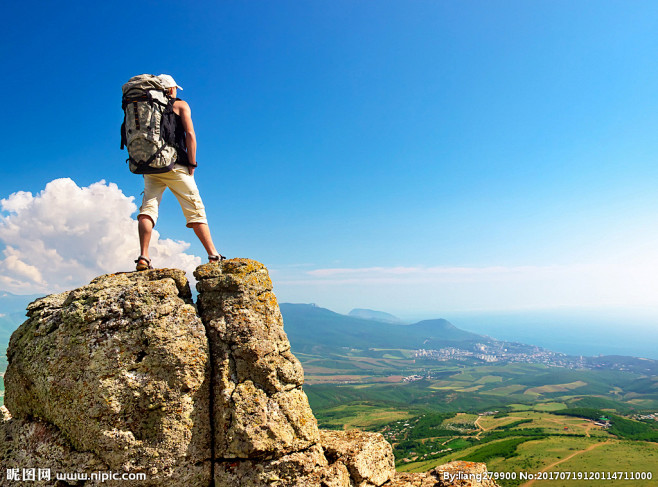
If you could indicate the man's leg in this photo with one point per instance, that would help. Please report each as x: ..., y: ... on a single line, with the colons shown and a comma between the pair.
x: 184, y: 187
x: 148, y: 213
x: 145, y: 229
x: 203, y: 232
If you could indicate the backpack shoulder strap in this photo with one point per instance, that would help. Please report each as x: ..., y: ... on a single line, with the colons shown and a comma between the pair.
x: 124, y: 139
x: 168, y: 123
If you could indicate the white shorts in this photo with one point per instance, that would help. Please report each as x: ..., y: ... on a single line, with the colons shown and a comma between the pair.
x: 182, y: 184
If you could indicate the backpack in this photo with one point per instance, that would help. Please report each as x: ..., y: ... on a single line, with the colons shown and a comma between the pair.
x: 148, y: 125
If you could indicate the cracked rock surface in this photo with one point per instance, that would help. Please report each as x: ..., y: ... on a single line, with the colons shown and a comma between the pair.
x: 259, y: 406
x: 127, y: 375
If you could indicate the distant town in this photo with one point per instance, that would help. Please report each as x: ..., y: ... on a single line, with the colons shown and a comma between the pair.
x: 487, y: 353
x: 511, y: 352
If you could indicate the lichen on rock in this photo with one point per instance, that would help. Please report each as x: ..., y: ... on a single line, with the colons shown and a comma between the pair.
x: 259, y: 406
x: 119, y: 367
x: 367, y: 456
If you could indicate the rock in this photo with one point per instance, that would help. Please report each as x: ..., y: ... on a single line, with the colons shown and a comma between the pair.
x: 37, y: 445
x: 463, y: 474
x: 414, y: 480
x: 124, y: 375
x: 6, y: 415
x: 292, y: 470
x: 453, y: 474
x: 259, y: 406
x: 367, y: 456
x: 334, y: 475
x: 120, y: 367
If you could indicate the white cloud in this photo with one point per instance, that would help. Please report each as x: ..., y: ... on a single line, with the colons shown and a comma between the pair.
x: 427, y: 274
x: 66, y: 235
x: 627, y: 282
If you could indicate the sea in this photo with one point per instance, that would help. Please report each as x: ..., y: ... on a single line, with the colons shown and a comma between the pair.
x: 573, y: 332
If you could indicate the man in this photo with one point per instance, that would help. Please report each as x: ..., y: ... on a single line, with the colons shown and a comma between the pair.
x: 180, y: 180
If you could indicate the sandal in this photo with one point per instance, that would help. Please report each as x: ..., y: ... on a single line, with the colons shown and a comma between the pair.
x: 216, y: 258
x: 141, y: 266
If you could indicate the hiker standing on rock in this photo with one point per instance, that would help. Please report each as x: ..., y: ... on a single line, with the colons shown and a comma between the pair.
x: 159, y: 134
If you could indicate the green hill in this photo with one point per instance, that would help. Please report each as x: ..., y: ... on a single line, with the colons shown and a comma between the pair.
x: 311, y: 328
x: 441, y: 333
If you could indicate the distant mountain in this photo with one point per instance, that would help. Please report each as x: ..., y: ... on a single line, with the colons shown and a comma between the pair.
x: 369, y: 314
x: 9, y: 323
x: 10, y: 303
x: 310, y: 327
x: 437, y: 331
x: 12, y: 313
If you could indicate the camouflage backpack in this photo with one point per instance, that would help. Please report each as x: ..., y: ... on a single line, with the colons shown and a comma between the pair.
x: 148, y: 125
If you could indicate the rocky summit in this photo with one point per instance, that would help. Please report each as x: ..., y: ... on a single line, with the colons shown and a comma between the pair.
x: 126, y: 381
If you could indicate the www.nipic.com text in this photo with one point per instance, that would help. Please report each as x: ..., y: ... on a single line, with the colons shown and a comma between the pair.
x: 36, y: 474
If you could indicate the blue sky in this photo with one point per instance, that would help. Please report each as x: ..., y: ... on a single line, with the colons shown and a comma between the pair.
x: 418, y: 157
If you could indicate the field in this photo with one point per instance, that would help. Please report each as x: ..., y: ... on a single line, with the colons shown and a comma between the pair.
x: 339, y: 377
x: 361, y: 416
x: 567, y: 455
x: 529, y: 441
x: 510, y: 416
x: 527, y: 381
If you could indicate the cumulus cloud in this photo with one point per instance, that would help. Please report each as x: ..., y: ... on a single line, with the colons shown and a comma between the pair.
x: 66, y: 235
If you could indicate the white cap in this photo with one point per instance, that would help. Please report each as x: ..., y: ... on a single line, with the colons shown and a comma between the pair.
x: 169, y: 82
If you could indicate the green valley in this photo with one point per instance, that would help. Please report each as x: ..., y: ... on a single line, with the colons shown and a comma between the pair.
x: 529, y: 412
x: 515, y: 417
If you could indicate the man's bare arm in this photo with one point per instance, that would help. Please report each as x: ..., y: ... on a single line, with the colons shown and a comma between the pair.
x: 183, y: 110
